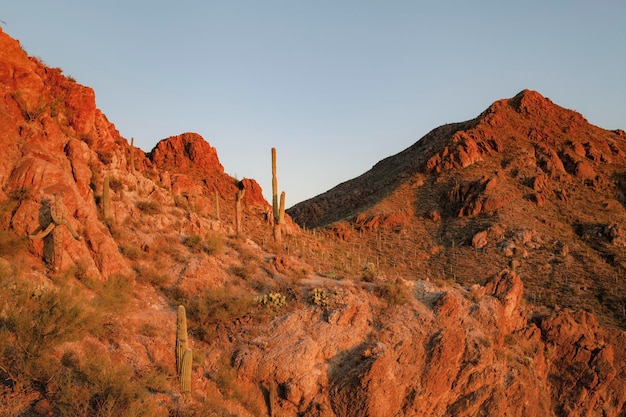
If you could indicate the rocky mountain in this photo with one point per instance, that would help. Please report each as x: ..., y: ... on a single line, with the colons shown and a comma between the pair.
x: 477, y: 273
x: 527, y: 183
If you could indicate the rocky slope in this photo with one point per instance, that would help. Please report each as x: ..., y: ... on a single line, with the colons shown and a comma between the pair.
x: 527, y: 182
x: 322, y: 324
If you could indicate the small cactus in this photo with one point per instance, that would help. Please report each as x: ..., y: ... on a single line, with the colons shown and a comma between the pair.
x: 185, y: 371
x: 320, y: 298
x: 273, y: 300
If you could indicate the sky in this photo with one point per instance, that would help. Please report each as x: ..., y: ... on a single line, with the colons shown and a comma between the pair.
x: 334, y: 86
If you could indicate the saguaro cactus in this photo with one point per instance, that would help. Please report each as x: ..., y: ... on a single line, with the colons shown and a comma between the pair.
x: 274, y: 186
x: 51, y: 217
x: 132, y: 155
x: 281, y: 209
x: 181, y: 337
x: 278, y: 210
x: 271, y: 401
x: 217, y: 205
x: 238, y: 215
x: 185, y: 371
x: 105, y: 198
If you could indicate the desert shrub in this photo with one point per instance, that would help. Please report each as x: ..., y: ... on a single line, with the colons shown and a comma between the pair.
x: 395, y: 293
x: 115, y: 293
x: 215, y: 310
x: 214, y: 244
x: 193, y: 242
x: 105, y: 157
x: 152, y: 276
x: 149, y: 207
x: 149, y: 330
x: 369, y: 272
x: 131, y: 251
x: 246, y: 270
x: 155, y: 380
x: 225, y: 377
x: 96, y: 387
x: 115, y: 184
x: 11, y: 244
x: 35, y: 320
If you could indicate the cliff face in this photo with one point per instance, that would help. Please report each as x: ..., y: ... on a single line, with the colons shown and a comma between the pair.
x: 434, y: 308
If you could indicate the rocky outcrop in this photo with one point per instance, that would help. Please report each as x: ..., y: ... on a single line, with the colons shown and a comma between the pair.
x: 186, y: 153
x: 462, y: 352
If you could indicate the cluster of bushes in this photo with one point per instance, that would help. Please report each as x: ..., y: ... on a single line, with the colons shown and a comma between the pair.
x: 212, y: 243
x: 36, y: 324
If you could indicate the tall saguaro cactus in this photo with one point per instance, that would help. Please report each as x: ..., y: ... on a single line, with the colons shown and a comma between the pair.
x: 274, y: 186
x: 181, y: 336
x: 184, y: 355
x: 238, y: 214
x: 105, y: 198
x: 278, y: 210
x: 217, y: 205
x: 132, y: 155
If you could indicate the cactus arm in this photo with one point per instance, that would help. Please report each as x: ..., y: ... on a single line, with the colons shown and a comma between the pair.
x: 43, y: 233
x: 71, y: 229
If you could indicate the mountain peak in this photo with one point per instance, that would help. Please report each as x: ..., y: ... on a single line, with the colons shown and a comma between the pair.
x: 186, y: 151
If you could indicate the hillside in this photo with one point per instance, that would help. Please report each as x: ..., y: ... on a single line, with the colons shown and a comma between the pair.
x: 527, y: 183
x: 492, y: 298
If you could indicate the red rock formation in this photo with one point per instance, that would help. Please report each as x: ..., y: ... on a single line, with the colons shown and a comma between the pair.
x: 186, y: 153
x: 467, y: 353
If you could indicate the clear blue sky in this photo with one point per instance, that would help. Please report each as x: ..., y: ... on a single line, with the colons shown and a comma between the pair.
x: 335, y: 86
